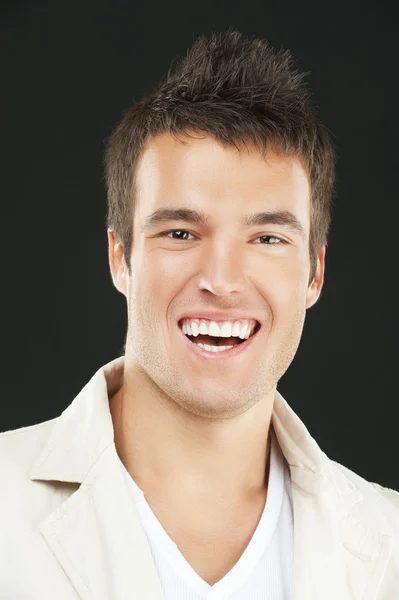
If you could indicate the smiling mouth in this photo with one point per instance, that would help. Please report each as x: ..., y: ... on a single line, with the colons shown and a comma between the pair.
x: 204, y: 340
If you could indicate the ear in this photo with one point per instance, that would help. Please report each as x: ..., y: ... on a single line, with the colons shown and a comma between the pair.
x: 314, y: 289
x: 117, y: 263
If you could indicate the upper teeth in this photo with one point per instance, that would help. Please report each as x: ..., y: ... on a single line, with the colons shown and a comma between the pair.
x: 242, y: 328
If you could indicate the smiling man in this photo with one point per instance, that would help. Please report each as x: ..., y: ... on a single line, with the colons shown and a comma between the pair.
x: 180, y: 472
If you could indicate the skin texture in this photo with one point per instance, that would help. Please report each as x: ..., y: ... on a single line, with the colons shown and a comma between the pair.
x: 193, y: 433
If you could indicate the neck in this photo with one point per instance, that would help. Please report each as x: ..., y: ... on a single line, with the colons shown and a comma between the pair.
x: 165, y: 447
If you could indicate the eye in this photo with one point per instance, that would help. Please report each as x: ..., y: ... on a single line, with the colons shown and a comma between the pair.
x: 277, y: 241
x: 181, y: 231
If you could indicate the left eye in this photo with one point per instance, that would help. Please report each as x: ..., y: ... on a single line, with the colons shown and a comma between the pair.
x: 272, y: 237
x: 276, y: 241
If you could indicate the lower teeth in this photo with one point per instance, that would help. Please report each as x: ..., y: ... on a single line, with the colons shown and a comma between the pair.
x: 214, y: 348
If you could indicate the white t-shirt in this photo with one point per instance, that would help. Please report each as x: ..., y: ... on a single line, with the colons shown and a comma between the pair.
x: 264, y: 570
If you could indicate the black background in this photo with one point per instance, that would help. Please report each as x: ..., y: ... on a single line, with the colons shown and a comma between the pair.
x: 68, y: 71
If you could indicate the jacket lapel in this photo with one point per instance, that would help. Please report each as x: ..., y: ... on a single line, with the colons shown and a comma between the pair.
x: 335, y: 554
x: 341, y: 546
x: 95, y: 534
x: 97, y: 537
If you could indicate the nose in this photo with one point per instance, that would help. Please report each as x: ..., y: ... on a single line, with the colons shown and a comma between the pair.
x: 222, y: 271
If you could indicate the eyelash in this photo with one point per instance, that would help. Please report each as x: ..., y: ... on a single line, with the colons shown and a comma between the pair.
x: 166, y: 233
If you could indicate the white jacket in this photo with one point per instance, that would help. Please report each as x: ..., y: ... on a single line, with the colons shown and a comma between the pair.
x: 69, y: 529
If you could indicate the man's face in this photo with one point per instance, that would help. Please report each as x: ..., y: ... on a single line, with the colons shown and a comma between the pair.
x: 220, y: 265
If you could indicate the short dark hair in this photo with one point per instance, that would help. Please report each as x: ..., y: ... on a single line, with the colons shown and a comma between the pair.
x: 236, y: 90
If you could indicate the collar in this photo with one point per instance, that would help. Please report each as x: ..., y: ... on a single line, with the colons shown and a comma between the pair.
x: 84, y: 430
x: 342, y: 545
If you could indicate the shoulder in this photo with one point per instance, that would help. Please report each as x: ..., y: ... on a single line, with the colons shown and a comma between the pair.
x: 23, y: 502
x: 19, y: 447
x: 378, y: 510
x: 375, y: 496
x: 391, y: 495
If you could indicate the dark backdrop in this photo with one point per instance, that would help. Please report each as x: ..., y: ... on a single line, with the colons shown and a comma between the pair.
x: 68, y: 71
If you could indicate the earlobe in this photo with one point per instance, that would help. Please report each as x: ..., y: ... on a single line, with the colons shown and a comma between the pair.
x: 312, y: 294
x: 117, y: 262
x: 314, y: 289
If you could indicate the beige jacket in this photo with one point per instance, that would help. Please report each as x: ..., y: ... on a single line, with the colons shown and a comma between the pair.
x: 69, y: 529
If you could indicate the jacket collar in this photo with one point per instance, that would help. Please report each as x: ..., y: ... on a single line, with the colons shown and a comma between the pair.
x: 342, y: 544
x: 85, y: 429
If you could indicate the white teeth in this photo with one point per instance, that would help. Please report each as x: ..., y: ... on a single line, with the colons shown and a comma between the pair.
x: 218, y: 329
x: 225, y: 330
x: 235, y: 330
x: 243, y: 332
x: 203, y: 329
x: 214, y: 348
x: 213, y: 329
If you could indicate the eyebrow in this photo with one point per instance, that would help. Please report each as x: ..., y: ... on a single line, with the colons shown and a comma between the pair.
x: 285, y: 218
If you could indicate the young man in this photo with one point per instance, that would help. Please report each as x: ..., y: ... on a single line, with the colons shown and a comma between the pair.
x: 179, y: 471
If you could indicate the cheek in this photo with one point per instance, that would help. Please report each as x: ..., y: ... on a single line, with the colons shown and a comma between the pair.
x: 284, y: 289
x: 161, y: 277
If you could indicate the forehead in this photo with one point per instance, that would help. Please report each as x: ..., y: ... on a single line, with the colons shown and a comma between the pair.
x: 199, y: 170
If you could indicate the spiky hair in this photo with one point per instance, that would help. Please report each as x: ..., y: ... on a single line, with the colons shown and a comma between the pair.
x: 237, y: 90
